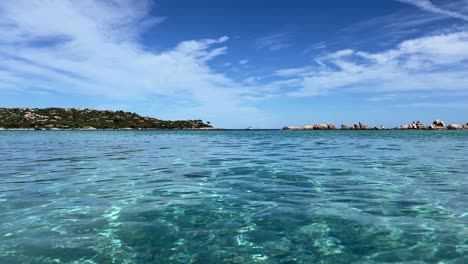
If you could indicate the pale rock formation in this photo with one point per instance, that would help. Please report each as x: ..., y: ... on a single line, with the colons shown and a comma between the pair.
x: 414, y: 125
x: 321, y: 126
x: 437, y: 124
x: 454, y: 126
x: 327, y: 126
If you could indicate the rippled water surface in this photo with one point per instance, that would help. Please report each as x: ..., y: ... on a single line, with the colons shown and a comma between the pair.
x: 233, y: 196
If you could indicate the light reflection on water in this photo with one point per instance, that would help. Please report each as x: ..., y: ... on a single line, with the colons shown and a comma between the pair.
x: 233, y: 196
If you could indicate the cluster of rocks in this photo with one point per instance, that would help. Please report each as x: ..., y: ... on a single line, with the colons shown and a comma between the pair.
x: 359, y: 126
x: 413, y: 125
x: 327, y: 126
x: 330, y: 126
x: 436, y: 125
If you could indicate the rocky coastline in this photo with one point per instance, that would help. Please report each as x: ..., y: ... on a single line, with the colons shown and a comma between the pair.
x: 436, y: 125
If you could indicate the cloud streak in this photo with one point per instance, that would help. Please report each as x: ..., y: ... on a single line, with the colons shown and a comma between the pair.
x: 428, y: 6
x: 274, y: 42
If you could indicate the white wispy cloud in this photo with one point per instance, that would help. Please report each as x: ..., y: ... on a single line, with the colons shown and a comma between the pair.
x: 92, y: 48
x: 274, y: 42
x: 428, y: 6
x: 432, y: 63
x: 243, y: 62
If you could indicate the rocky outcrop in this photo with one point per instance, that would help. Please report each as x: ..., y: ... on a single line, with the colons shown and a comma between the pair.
x: 437, y: 124
x: 327, y: 126
x: 295, y: 128
x: 414, y: 125
x: 321, y: 126
x: 454, y: 126
x: 361, y: 126
x: 358, y: 126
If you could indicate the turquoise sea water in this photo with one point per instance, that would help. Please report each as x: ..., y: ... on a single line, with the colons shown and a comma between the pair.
x: 233, y: 196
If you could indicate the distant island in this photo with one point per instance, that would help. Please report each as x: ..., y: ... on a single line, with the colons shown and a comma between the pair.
x: 87, y: 119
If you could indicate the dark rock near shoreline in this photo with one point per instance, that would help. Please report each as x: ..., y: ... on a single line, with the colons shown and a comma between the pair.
x: 361, y: 126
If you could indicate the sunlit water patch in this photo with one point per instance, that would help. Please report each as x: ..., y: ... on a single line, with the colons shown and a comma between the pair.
x: 233, y: 196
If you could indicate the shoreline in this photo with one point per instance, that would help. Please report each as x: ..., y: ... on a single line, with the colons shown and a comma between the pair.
x: 229, y: 129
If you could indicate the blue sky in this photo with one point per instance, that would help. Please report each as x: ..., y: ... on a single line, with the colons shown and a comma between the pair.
x: 264, y: 64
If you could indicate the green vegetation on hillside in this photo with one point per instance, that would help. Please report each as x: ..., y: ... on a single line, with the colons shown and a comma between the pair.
x: 73, y: 118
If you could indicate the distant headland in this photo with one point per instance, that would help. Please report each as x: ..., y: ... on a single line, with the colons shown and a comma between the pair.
x: 87, y: 119
x: 436, y: 125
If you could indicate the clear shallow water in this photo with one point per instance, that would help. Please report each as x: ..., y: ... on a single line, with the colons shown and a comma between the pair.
x: 233, y: 196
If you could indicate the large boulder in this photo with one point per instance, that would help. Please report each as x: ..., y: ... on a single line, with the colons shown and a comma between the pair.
x: 438, y: 123
x: 363, y: 126
x: 465, y: 126
x: 420, y: 125
x: 345, y: 127
x: 331, y: 126
x: 321, y: 126
x: 454, y: 126
x: 293, y: 128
